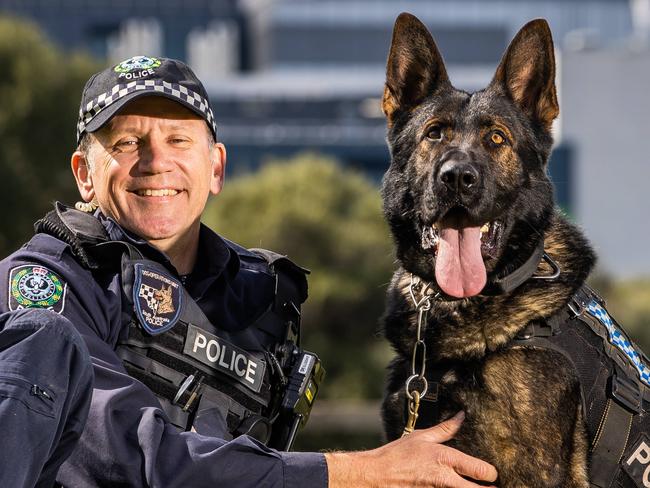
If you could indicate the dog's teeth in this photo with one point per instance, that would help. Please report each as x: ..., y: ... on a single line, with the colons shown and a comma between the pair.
x: 485, y: 228
x: 430, y: 237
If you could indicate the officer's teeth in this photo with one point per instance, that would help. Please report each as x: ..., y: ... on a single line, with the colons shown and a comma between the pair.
x: 157, y: 193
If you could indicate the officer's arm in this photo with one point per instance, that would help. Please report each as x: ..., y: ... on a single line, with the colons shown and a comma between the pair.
x: 416, y: 460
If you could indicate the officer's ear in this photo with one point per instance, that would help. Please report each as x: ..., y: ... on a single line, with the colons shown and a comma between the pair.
x: 218, y: 167
x: 82, y: 175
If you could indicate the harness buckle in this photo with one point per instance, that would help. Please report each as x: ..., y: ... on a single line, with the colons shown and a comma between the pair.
x: 626, y: 392
x: 576, y: 307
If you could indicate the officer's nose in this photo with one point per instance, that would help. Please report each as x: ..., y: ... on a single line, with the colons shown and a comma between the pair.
x: 459, y: 176
x: 155, y: 157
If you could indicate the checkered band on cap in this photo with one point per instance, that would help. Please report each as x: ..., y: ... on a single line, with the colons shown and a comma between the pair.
x: 174, y: 90
x: 618, y: 339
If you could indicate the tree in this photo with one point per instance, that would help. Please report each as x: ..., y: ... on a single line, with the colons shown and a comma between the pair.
x: 329, y: 220
x: 40, y: 90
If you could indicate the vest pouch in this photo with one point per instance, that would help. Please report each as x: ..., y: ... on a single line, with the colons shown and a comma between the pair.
x: 218, y: 414
x: 211, y: 416
x: 256, y: 427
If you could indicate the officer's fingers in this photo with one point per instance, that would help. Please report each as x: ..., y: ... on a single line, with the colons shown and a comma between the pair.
x: 468, y: 466
x: 456, y: 481
x: 446, y: 430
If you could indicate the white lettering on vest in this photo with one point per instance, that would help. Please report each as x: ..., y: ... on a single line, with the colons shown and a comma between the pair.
x: 200, y: 341
x: 240, y: 371
x: 642, y: 456
x: 215, y: 344
x: 250, y: 371
x: 221, y: 355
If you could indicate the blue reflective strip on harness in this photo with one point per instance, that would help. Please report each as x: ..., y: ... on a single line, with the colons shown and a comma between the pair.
x: 619, y: 340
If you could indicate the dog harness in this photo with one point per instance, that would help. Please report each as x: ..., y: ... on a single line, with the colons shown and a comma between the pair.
x: 256, y: 381
x: 614, y: 377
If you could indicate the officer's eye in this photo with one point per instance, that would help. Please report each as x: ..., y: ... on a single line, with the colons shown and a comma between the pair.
x: 434, y: 133
x: 126, y: 145
x: 497, y: 137
x: 179, y: 140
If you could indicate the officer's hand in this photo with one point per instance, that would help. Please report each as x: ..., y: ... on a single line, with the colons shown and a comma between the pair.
x: 418, y: 459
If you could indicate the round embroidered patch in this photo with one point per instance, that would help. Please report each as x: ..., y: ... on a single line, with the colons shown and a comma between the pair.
x: 35, y: 286
x: 137, y: 62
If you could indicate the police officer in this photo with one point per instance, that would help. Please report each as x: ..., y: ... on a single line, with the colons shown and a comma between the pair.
x: 147, y: 160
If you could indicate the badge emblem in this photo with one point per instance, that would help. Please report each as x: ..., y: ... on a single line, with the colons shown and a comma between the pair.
x: 32, y: 286
x: 157, y: 298
x: 137, y: 63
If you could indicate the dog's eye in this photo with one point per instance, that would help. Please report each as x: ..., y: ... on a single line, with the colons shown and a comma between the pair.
x: 434, y: 133
x: 497, y: 138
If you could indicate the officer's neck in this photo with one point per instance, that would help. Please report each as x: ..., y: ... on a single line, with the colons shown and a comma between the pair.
x: 181, y: 250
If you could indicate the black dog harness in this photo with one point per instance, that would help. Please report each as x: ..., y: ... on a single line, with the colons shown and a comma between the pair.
x: 614, y: 377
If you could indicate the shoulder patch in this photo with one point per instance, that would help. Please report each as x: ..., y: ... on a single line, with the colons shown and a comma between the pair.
x: 619, y: 340
x: 33, y: 286
x: 157, y: 298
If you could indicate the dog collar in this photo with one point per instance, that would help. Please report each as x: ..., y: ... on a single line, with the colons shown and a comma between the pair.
x: 523, y: 273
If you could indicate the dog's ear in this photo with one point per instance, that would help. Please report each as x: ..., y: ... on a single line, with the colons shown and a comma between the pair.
x: 527, y: 72
x: 414, y: 69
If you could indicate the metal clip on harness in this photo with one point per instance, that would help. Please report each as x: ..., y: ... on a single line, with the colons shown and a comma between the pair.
x: 422, y: 306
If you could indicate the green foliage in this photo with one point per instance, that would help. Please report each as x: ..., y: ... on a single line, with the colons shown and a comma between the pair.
x: 329, y: 220
x: 40, y: 89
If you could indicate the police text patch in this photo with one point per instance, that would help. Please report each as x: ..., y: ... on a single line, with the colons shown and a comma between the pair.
x: 32, y: 286
x: 157, y: 298
x: 636, y: 462
x: 224, y: 357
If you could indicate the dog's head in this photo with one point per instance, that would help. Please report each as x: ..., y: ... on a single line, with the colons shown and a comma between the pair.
x: 467, y: 195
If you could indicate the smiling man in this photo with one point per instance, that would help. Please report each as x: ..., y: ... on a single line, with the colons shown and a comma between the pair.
x: 182, y: 325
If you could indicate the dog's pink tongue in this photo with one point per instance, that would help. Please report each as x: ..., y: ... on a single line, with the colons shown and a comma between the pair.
x: 460, y: 271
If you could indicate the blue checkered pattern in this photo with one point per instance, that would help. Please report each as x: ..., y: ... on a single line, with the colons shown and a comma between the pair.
x: 619, y: 340
x: 95, y: 106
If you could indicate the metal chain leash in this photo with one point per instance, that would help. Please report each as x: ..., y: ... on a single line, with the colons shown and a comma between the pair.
x: 422, y: 306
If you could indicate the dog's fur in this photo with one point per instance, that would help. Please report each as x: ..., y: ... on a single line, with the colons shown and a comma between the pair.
x: 522, y: 405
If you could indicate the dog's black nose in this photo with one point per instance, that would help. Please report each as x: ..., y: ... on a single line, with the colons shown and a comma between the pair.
x: 458, y: 176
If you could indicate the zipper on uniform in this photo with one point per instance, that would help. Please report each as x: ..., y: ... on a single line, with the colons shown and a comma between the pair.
x: 40, y: 392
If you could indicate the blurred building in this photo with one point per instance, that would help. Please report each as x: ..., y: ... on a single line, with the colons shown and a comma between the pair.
x: 295, y: 75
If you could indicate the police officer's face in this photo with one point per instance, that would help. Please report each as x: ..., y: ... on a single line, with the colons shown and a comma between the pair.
x: 153, y: 168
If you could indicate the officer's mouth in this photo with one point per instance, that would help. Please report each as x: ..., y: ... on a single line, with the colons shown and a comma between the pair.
x: 162, y: 192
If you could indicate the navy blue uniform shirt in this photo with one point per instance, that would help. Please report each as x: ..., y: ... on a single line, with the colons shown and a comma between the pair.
x: 127, y: 440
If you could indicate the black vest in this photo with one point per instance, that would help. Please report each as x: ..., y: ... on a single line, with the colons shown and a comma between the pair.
x: 206, y: 379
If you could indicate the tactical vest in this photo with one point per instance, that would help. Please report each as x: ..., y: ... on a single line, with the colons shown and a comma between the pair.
x: 207, y: 379
x: 614, y: 377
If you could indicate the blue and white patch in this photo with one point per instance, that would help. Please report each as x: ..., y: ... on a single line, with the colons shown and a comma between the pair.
x: 157, y: 299
x: 33, y: 286
x: 618, y: 339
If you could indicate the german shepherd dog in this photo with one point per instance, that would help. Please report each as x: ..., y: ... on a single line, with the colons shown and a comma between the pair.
x: 468, y: 201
